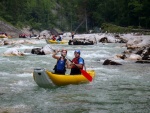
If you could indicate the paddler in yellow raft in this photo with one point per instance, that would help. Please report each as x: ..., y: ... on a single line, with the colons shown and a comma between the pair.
x: 62, y: 63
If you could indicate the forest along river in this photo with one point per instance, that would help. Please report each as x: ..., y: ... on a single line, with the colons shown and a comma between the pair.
x: 115, y: 89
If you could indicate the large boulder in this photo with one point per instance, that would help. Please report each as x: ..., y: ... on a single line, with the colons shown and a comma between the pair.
x: 13, y: 52
x: 134, y: 57
x: 80, y: 42
x: 41, y: 51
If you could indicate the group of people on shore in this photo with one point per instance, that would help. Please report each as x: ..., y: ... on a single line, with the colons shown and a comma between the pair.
x: 63, y: 62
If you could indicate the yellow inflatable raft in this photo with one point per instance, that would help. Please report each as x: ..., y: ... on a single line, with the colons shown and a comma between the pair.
x: 56, y: 42
x: 45, y: 78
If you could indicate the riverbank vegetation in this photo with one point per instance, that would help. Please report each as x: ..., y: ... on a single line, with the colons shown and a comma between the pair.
x: 77, y: 15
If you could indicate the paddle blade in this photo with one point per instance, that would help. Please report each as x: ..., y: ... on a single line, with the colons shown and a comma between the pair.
x: 86, y: 75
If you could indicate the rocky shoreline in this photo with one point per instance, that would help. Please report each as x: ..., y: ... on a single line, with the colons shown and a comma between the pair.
x: 13, y: 32
x: 138, y: 46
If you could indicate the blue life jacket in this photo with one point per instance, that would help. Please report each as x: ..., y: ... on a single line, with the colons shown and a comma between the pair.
x: 60, y: 67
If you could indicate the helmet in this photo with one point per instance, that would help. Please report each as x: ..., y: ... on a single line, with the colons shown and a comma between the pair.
x: 77, y: 51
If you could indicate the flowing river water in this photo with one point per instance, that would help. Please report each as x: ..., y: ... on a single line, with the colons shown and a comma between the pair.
x: 115, y: 89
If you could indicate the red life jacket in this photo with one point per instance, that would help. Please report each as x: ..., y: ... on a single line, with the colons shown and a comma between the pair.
x: 76, y: 61
x: 75, y: 70
x: 53, y: 38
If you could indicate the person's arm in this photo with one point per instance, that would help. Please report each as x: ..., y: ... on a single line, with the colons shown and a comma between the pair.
x: 68, y: 65
x: 80, y: 65
x: 55, y: 55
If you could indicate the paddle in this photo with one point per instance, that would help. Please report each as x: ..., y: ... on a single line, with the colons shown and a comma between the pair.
x: 52, y: 48
x: 84, y: 73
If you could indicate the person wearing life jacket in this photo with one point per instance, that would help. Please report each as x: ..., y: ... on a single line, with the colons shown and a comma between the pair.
x: 59, y: 38
x: 62, y: 62
x: 53, y: 37
x: 77, y: 63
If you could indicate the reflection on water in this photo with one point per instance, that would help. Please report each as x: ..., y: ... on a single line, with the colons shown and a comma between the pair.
x: 115, y: 89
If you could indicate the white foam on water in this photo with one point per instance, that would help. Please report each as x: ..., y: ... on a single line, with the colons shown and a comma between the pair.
x: 91, y: 54
x: 1, y: 47
x: 24, y: 83
x: 4, y: 74
x: 26, y: 47
x: 24, y: 75
x: 20, y: 106
x: 94, y: 55
x: 4, y: 59
x: 136, y: 77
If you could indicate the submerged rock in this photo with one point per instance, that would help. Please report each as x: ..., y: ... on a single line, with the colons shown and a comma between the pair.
x: 143, y: 61
x: 110, y: 62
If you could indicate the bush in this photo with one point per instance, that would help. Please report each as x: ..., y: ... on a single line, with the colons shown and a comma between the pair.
x: 111, y: 28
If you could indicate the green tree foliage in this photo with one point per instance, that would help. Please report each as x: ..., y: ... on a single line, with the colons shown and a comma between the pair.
x: 69, y: 14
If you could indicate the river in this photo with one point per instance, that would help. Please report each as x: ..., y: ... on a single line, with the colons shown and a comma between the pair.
x: 115, y: 89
